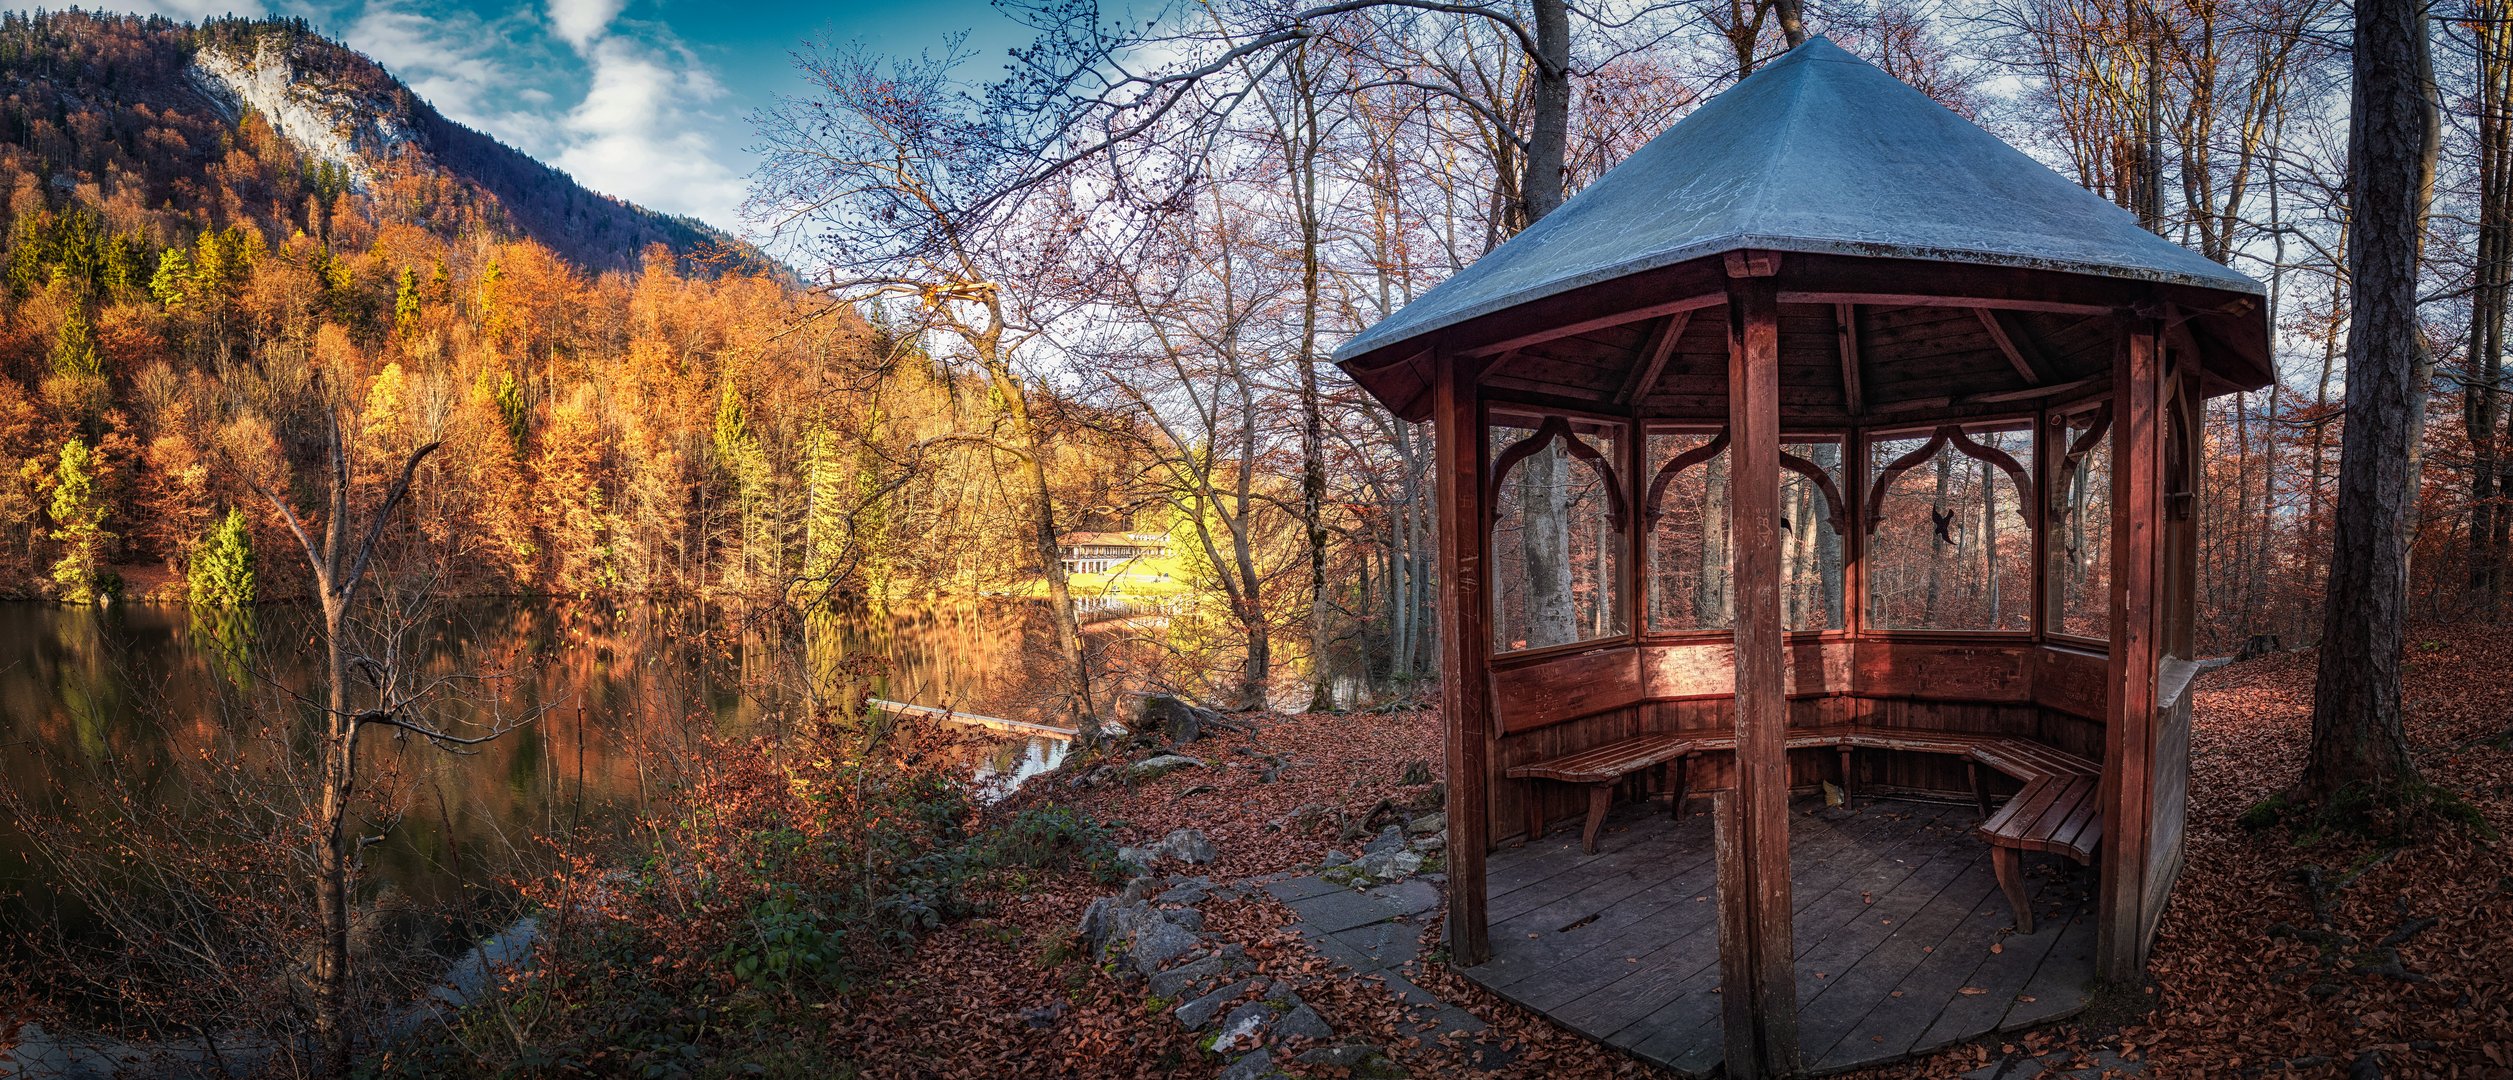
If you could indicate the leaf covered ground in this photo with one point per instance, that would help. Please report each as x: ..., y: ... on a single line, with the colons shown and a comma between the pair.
x: 2278, y: 956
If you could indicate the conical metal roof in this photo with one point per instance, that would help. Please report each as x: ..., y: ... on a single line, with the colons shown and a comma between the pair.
x: 1819, y: 151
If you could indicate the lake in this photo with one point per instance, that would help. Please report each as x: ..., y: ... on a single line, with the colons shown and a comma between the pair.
x: 128, y: 698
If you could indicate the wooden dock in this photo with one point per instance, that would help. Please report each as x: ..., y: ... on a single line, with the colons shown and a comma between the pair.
x: 996, y: 723
x: 1895, y: 912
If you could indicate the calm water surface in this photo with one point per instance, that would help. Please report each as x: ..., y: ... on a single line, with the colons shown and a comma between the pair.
x: 93, y: 698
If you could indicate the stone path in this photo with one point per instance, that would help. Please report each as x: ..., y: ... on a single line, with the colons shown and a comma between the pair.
x: 1375, y: 934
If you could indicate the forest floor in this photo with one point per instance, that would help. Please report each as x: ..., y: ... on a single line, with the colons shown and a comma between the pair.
x: 2277, y: 956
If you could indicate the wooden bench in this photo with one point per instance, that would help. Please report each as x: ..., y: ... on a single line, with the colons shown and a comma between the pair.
x: 2055, y: 812
x: 1599, y: 768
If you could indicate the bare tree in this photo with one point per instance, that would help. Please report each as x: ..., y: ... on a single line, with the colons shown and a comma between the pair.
x: 905, y: 184
x: 366, y: 685
x: 2358, y: 741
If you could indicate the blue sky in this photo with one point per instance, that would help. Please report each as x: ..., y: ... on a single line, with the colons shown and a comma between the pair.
x: 643, y: 99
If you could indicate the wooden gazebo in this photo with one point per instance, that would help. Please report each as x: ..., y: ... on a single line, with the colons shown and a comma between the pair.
x: 1961, y: 397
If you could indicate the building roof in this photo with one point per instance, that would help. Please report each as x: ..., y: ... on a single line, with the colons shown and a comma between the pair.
x: 1114, y: 539
x: 1819, y: 151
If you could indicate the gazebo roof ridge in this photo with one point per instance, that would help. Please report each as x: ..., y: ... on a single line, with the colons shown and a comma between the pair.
x: 1817, y: 152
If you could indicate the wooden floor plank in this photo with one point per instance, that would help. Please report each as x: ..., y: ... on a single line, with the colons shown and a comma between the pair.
x: 1896, y: 896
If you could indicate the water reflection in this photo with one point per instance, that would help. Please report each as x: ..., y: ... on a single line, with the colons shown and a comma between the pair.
x: 127, y: 697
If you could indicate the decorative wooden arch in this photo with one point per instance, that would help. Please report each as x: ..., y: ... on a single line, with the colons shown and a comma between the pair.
x: 1948, y: 435
x: 1556, y: 426
x: 1835, y: 513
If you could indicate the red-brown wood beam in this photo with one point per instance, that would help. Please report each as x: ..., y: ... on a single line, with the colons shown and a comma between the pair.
x: 1652, y: 359
x: 1845, y: 322
x: 2018, y: 346
x: 1760, y: 984
x: 2136, y: 632
x: 1589, y: 326
x: 1465, y: 708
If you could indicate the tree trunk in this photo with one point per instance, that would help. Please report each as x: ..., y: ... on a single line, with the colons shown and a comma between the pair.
x: 2357, y: 737
x: 1026, y: 437
x: 2483, y: 392
x: 1545, y: 546
x: 331, y: 968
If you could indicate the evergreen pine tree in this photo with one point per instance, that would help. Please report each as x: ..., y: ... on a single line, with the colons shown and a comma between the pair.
x: 74, y: 348
x: 221, y: 570
x: 78, y: 526
x: 172, y: 279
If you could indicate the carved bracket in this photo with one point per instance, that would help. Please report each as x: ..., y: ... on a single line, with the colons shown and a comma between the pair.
x: 1949, y: 435
x: 2074, y: 460
x: 1557, y: 427
x: 1835, y: 511
x: 1667, y: 474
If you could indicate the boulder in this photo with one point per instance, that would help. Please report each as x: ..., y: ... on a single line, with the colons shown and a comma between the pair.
x: 1256, y: 1064
x: 1426, y: 825
x: 1194, y: 1015
x: 1188, y: 846
x: 1390, y: 864
x: 1303, y: 1023
x: 1162, y: 765
x: 1157, y: 941
x: 1190, y: 891
x: 1243, y: 1027
x: 1175, y: 720
x: 1177, y: 982
x: 1391, y: 838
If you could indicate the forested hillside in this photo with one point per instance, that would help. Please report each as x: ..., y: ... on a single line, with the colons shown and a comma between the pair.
x: 627, y: 402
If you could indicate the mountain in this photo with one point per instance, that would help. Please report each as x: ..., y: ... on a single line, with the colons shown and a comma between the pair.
x: 167, y: 128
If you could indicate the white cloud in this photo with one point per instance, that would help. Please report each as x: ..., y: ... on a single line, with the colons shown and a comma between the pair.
x: 643, y: 130
x: 457, y: 61
x: 580, y: 22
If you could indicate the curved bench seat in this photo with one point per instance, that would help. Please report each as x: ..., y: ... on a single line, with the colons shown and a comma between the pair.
x: 2055, y: 812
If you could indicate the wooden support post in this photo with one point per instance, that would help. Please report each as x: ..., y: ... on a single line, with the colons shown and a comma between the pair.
x: 2140, y: 398
x: 1465, y: 684
x: 1759, y: 978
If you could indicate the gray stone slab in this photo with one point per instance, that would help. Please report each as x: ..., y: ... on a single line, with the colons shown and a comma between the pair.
x: 1385, y: 944
x: 1301, y: 888
x: 1343, y: 910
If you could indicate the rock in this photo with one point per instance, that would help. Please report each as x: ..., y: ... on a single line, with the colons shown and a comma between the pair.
x: 1337, y: 857
x: 1431, y: 843
x: 1094, y: 927
x: 1306, y: 816
x: 1175, y: 720
x: 1426, y: 825
x: 1391, y: 838
x: 1417, y: 773
x: 1162, y: 765
x: 1176, y: 982
x: 1137, y: 890
x: 1188, y: 846
x: 1254, y: 1065
x: 1390, y: 864
x: 1184, y: 845
x: 1243, y: 1027
x: 1303, y: 1023
x: 1199, y: 1012
x: 1187, y: 891
x: 1157, y: 941
x: 1044, y: 1016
